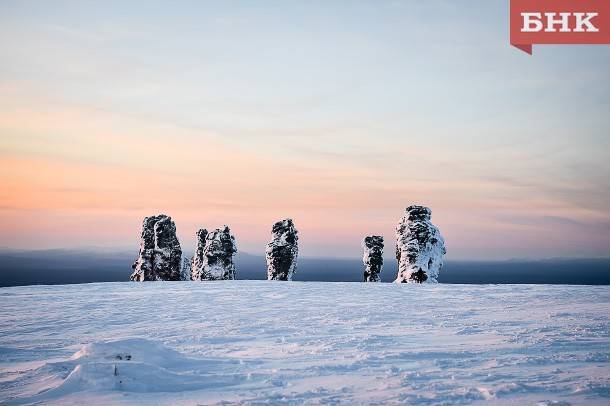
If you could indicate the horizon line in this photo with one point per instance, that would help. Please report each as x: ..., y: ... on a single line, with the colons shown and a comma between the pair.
x: 102, y: 249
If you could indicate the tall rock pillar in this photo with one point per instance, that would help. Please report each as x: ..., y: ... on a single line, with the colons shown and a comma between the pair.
x: 419, y: 247
x: 372, y: 258
x: 214, y: 257
x: 160, y: 252
x: 282, y: 251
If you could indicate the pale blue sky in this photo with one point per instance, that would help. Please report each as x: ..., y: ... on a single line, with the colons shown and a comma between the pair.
x: 392, y: 101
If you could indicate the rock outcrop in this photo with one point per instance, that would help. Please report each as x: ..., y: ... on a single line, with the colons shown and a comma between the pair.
x: 419, y: 247
x: 372, y: 258
x: 160, y: 252
x: 282, y: 251
x: 187, y: 264
x: 214, y: 257
x: 198, y: 257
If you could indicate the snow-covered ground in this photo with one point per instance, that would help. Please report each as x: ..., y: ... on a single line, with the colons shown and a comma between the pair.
x: 304, y: 342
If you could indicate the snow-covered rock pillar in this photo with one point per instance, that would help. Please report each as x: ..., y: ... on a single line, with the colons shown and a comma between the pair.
x: 282, y: 251
x: 198, y: 257
x: 187, y: 264
x: 419, y: 247
x: 160, y: 254
x: 214, y: 258
x: 372, y: 258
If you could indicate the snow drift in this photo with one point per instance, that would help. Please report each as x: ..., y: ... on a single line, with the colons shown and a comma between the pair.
x: 255, y: 342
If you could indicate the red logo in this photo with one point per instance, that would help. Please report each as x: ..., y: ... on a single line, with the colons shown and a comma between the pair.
x: 559, y: 22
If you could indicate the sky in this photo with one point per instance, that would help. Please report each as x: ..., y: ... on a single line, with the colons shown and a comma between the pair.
x: 337, y: 114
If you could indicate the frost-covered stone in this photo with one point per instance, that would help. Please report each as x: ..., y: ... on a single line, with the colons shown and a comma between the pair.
x: 160, y: 252
x: 282, y: 251
x: 372, y: 258
x: 198, y: 257
x: 419, y: 247
x: 187, y: 264
x: 214, y: 257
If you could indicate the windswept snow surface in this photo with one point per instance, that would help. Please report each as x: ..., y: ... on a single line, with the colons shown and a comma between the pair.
x: 304, y: 342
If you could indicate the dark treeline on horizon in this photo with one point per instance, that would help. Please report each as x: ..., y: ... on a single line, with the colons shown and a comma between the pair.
x: 70, y: 266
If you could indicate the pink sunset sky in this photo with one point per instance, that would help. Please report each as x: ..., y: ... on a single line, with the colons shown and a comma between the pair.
x: 336, y: 115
